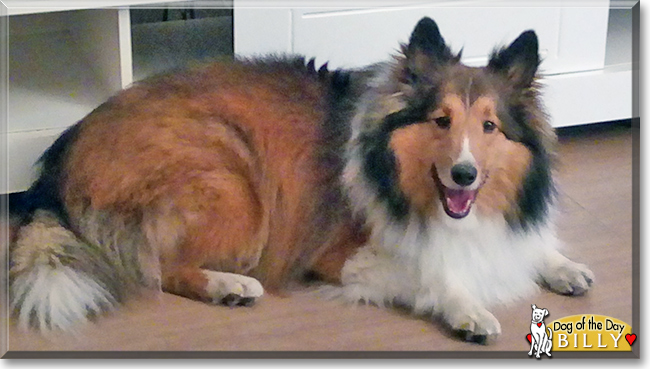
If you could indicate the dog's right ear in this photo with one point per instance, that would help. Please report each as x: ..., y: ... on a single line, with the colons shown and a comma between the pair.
x: 427, y: 40
x: 425, y: 50
x: 534, y: 307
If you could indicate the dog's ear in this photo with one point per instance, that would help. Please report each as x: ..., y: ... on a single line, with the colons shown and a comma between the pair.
x: 426, y: 49
x: 545, y: 312
x: 519, y: 61
x: 534, y: 307
x: 427, y: 40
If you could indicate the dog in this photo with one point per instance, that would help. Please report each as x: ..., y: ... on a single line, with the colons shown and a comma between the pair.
x: 540, y: 340
x: 417, y: 180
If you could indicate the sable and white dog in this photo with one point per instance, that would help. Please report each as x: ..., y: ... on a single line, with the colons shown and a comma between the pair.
x: 417, y: 180
x: 540, y: 340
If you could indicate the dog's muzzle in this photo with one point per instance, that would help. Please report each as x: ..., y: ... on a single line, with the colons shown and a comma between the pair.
x: 458, y: 201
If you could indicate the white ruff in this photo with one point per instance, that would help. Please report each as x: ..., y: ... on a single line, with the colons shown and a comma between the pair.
x: 422, y: 264
x: 482, y: 256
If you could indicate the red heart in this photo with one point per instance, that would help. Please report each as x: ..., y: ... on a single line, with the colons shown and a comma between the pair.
x: 539, y: 324
x: 630, y: 338
x: 529, y: 337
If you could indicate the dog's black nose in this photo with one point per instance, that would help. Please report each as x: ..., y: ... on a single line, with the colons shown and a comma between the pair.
x: 464, y: 174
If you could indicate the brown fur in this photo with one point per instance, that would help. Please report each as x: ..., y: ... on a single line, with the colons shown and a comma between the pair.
x: 219, y: 183
x: 237, y: 182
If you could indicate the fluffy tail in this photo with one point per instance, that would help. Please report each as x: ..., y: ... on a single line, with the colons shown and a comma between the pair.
x: 58, y: 278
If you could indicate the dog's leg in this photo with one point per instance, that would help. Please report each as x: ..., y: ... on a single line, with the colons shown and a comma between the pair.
x: 222, y: 230
x: 467, y: 317
x: 540, y: 344
x: 444, y: 292
x: 532, y: 344
x: 564, y: 276
x: 556, y: 271
x: 210, y: 286
x: 549, y: 342
x: 371, y: 276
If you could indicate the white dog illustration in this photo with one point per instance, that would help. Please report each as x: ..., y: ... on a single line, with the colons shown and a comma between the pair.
x: 539, y: 339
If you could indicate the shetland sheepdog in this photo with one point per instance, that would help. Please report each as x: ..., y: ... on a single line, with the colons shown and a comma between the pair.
x: 418, y: 180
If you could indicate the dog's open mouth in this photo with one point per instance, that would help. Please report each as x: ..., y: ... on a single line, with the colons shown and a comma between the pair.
x: 456, y: 202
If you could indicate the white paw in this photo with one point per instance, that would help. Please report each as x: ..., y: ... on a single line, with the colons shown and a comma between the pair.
x: 473, y: 324
x: 569, y: 278
x: 232, y: 289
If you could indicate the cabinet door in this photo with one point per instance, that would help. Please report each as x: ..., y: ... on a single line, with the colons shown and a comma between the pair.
x: 571, y: 39
x: 572, y: 35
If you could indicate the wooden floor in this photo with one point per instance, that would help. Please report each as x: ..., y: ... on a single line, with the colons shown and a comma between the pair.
x: 595, y: 178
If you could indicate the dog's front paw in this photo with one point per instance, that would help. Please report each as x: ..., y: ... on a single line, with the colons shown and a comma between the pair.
x: 569, y: 278
x: 474, y: 325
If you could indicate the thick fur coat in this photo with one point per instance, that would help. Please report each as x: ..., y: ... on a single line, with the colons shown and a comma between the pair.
x: 417, y: 180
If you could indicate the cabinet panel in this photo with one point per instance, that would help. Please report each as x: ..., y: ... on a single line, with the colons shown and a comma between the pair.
x: 571, y: 39
x: 63, y: 65
x: 360, y: 37
x: 588, y: 97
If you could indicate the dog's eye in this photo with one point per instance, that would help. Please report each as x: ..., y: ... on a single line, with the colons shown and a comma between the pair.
x: 443, y: 122
x: 489, y: 126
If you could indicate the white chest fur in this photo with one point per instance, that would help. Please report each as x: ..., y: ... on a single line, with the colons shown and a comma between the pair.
x: 421, y: 263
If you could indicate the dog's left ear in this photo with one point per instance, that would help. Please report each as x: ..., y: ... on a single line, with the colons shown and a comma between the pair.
x: 519, y: 61
x: 545, y: 312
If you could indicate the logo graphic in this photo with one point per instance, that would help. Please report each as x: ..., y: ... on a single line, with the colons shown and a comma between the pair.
x: 578, y: 333
x: 540, y: 337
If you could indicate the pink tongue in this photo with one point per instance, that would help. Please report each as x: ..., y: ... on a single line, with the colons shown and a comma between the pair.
x: 459, y: 201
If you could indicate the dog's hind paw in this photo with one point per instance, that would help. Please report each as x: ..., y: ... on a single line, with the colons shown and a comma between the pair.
x: 233, y: 289
x: 569, y: 278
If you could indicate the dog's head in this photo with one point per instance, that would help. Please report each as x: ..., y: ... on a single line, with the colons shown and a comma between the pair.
x: 466, y: 138
x: 539, y: 314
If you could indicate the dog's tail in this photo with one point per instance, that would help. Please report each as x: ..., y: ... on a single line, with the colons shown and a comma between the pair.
x: 57, y: 278
x: 550, y: 333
